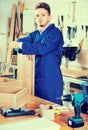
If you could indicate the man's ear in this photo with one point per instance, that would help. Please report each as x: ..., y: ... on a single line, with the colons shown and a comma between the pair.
x: 50, y: 17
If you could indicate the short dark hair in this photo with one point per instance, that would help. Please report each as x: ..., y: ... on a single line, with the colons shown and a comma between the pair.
x: 43, y: 5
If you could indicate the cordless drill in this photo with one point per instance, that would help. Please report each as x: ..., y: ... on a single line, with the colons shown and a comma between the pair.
x: 77, y: 99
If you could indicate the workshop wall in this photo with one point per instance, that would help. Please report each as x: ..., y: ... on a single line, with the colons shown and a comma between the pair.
x: 77, y: 20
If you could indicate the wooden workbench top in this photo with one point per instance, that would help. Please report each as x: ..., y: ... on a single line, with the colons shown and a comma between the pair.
x: 34, y: 103
x: 73, y: 72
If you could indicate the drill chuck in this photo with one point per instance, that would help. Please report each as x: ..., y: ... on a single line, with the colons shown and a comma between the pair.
x: 67, y: 98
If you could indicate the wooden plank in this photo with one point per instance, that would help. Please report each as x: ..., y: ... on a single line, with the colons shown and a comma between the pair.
x: 0, y: 55
x: 13, y: 96
x: 73, y: 73
x: 11, y: 35
x: 8, y: 82
x: 73, y: 11
x: 26, y: 68
x: 20, y: 9
x: 32, y: 74
x: 15, y: 28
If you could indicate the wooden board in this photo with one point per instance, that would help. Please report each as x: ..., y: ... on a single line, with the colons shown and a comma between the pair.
x: 26, y: 72
x: 13, y: 97
x: 73, y: 73
x: 9, y: 52
x: 8, y: 82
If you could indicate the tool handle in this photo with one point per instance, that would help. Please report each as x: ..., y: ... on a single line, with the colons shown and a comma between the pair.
x: 77, y: 110
x: 18, y: 50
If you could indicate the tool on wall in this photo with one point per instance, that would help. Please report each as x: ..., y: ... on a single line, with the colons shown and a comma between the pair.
x: 11, y: 36
x: 86, y: 31
x: 70, y: 53
x: 71, y: 32
x: 84, y: 28
x: 61, y: 22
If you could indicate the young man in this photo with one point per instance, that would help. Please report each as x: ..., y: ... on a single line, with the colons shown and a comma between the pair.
x: 46, y: 44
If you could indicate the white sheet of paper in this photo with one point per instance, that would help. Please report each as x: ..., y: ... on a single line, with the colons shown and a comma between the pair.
x: 33, y: 124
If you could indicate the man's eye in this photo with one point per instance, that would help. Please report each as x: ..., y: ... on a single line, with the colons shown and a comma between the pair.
x: 37, y: 15
x: 43, y: 14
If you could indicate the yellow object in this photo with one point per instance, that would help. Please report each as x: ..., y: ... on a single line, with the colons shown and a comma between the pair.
x: 57, y: 112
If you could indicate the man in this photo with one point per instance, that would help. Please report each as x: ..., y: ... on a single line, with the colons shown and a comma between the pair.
x: 46, y: 44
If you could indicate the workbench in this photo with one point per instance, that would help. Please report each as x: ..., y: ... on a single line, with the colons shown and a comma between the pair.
x: 61, y: 119
x: 72, y: 76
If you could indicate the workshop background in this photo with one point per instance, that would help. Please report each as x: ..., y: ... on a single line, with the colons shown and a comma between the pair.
x: 68, y: 15
x: 17, y: 20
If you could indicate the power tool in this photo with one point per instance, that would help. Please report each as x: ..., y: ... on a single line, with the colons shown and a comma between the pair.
x: 77, y: 100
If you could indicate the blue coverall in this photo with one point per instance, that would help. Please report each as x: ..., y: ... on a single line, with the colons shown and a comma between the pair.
x: 47, y: 48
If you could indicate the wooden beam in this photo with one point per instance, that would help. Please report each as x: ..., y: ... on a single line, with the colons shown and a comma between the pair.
x: 9, y: 51
x: 73, y: 11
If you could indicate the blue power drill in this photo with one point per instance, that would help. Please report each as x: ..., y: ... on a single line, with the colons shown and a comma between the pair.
x: 77, y: 100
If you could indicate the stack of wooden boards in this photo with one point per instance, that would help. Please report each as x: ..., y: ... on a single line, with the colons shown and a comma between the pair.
x: 11, y: 94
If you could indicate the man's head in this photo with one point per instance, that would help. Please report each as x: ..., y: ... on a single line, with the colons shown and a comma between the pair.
x: 42, y: 14
x: 44, y: 6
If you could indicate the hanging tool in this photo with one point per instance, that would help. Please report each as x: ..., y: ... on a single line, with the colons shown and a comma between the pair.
x: 69, y: 32
x: 70, y: 52
x: 62, y: 23
x: 86, y: 31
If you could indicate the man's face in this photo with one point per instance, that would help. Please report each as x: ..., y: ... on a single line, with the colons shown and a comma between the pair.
x: 42, y: 17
